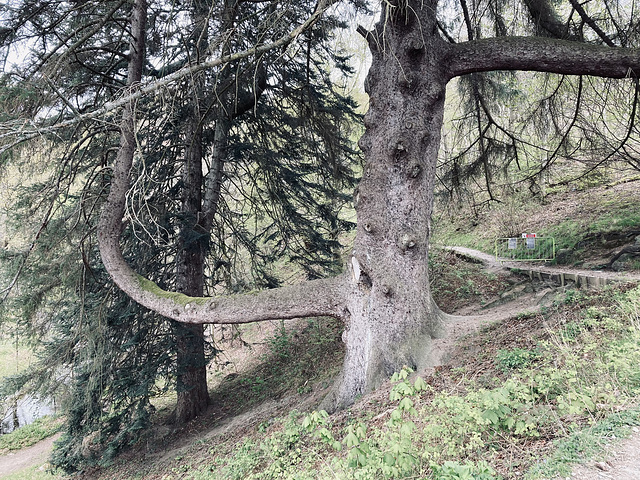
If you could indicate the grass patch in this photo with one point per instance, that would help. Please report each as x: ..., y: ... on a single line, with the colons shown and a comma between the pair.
x: 570, y: 233
x: 585, y: 444
x: 578, y: 221
x: 537, y: 389
x: 32, y: 473
x: 13, y: 360
x: 446, y: 234
x: 30, y: 434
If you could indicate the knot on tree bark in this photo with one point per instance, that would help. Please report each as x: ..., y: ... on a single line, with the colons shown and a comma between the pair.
x: 407, y: 242
x: 415, y: 170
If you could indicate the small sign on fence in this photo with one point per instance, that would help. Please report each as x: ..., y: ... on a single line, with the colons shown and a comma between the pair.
x: 528, y: 247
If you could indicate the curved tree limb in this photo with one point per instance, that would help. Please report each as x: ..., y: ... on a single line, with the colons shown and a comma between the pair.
x: 319, y: 297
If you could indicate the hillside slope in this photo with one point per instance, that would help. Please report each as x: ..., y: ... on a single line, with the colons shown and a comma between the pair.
x: 531, y: 379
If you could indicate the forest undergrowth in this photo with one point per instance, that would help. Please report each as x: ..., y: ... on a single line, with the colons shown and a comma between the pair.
x: 527, y: 397
x: 507, y: 407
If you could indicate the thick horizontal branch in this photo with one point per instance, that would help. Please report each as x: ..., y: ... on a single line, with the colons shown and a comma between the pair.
x: 325, y: 297
x: 541, y: 55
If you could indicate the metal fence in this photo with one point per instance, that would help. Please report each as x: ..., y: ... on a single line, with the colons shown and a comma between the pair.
x: 525, y: 249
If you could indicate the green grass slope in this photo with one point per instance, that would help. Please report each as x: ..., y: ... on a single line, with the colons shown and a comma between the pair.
x: 524, y: 399
x: 590, y: 225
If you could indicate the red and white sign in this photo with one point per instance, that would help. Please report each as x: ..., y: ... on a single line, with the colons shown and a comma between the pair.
x: 529, y: 235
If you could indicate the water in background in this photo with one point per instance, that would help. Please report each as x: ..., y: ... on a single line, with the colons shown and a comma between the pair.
x: 25, y: 410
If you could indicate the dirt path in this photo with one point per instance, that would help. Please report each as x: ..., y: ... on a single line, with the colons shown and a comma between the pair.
x: 35, y: 455
x: 622, y: 464
x: 471, y: 319
x: 493, y: 264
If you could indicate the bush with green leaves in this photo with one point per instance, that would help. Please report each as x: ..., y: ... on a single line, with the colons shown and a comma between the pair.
x: 463, y: 431
x: 452, y: 470
x: 514, y: 359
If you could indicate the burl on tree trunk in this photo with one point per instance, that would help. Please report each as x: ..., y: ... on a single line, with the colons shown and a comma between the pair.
x: 383, y: 297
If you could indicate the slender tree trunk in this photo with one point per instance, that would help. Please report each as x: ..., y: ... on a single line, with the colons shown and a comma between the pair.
x: 213, y: 184
x: 191, y: 381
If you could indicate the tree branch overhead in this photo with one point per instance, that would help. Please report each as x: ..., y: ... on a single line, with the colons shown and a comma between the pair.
x: 542, y: 55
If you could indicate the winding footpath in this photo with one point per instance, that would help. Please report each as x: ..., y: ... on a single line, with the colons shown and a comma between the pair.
x: 35, y: 456
x: 561, y: 274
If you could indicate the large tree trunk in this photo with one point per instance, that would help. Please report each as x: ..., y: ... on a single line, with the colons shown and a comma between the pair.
x: 392, y: 316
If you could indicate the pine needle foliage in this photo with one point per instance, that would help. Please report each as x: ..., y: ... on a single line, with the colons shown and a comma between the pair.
x: 530, y: 132
x: 288, y: 164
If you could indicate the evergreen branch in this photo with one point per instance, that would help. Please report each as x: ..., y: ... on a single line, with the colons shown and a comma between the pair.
x: 32, y: 130
x: 80, y: 41
x: 5, y: 292
x: 544, y: 16
x: 313, y: 298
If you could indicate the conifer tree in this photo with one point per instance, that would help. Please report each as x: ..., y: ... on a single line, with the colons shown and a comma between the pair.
x: 384, y: 298
x: 266, y: 139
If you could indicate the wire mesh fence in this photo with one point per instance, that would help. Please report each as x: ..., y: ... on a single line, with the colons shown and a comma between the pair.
x: 528, y: 248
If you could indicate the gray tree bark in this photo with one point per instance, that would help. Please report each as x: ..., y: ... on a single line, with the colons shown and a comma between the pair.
x: 391, y: 314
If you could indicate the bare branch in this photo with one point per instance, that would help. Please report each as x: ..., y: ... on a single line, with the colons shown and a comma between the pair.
x: 589, y: 21
x: 565, y: 138
x: 542, y: 55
